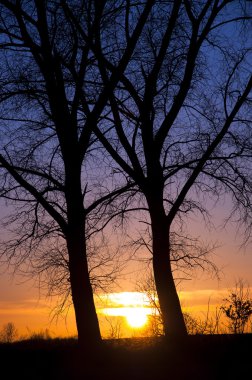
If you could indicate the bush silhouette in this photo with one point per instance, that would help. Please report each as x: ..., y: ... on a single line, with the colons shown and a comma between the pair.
x: 238, y: 308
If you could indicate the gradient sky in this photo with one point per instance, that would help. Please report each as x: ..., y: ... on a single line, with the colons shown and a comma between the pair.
x: 22, y: 303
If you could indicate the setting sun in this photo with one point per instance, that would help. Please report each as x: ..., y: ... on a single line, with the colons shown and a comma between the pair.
x: 133, y: 306
x: 136, y: 317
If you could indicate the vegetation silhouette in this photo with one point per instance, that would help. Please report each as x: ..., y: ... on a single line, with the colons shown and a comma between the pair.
x: 108, y: 108
x: 203, y: 356
x: 179, y: 123
x: 8, y: 333
x: 238, y: 308
x: 48, y: 108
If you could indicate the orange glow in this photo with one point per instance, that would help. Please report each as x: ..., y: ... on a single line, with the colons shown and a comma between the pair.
x: 136, y: 317
x: 125, y: 299
x: 128, y: 311
x: 134, y: 306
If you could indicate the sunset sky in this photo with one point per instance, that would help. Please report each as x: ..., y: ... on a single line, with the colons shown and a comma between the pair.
x: 123, y: 307
x: 22, y: 303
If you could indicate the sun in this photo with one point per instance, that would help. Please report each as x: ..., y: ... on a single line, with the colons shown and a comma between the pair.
x: 133, y: 306
x: 136, y: 317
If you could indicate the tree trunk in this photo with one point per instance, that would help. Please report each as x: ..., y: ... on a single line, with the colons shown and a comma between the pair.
x: 82, y: 294
x: 174, y: 324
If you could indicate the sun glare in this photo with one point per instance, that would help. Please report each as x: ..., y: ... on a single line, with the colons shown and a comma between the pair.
x: 137, y: 317
x: 128, y: 299
x: 131, y: 305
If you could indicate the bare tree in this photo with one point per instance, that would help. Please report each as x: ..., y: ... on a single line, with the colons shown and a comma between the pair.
x: 180, y: 120
x: 164, y: 86
x: 194, y: 325
x: 8, y: 333
x: 50, y: 270
x: 52, y: 168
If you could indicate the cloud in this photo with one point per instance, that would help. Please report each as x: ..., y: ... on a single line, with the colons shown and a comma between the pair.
x: 29, y: 306
x: 122, y: 299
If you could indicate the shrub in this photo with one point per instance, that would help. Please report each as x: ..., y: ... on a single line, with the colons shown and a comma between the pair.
x: 238, y: 308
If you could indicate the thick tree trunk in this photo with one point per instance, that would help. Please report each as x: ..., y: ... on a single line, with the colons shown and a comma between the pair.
x: 82, y: 294
x: 174, y: 324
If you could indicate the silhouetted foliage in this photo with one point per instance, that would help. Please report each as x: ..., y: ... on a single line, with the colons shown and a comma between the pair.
x: 208, y: 357
x: 238, y: 308
x: 40, y: 335
x: 209, y: 324
x: 102, y: 97
x: 114, y: 328
x: 52, y: 169
x: 179, y: 122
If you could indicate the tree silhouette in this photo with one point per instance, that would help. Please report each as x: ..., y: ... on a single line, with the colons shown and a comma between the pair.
x: 50, y: 99
x: 181, y: 119
x: 163, y: 86
x: 8, y: 333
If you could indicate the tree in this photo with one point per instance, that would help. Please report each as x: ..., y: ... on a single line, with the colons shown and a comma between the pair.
x: 140, y: 77
x: 50, y: 100
x: 8, y: 333
x: 238, y: 308
x: 193, y: 324
x: 180, y: 119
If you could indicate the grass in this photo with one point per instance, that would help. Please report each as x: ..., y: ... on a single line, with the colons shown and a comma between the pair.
x: 203, y: 357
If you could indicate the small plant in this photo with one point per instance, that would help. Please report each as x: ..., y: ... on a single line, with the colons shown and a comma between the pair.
x: 155, y: 324
x: 238, y: 308
x: 115, y: 328
x: 192, y: 324
x: 147, y: 286
x: 9, y: 333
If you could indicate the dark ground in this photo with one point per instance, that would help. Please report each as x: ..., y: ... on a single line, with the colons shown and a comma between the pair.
x: 205, y: 357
